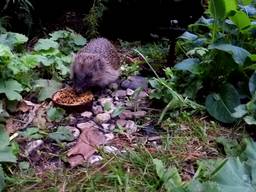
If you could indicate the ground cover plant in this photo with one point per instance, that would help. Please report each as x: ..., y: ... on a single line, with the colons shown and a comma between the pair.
x: 185, y: 128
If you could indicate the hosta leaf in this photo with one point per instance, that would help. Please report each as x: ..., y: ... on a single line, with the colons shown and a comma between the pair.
x: 238, y: 54
x: 190, y: 65
x: 45, y: 44
x: 62, y: 134
x: 221, y: 105
x: 241, y: 20
x: 46, y: 88
x: 11, y: 89
x: 196, y: 186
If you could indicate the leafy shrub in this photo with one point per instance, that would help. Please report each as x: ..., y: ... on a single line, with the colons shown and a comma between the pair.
x: 217, y: 60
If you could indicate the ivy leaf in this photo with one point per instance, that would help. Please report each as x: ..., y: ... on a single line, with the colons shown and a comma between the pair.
x: 62, y: 134
x: 55, y: 114
x: 221, y: 105
x: 46, y: 44
x: 11, y: 89
x: 46, y: 88
x: 238, y: 54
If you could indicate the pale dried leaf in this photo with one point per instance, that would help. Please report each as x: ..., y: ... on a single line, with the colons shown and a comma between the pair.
x: 87, y: 144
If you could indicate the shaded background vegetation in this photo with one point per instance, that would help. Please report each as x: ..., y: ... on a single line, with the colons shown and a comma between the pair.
x: 131, y: 20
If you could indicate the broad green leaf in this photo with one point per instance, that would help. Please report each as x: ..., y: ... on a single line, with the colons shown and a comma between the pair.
x: 231, y: 147
x: 62, y: 134
x: 6, y: 155
x: 12, y: 39
x: 252, y: 84
x: 238, y: 54
x: 249, y: 153
x: 220, y: 9
x: 46, y: 88
x: 190, y: 65
x: 221, y: 105
x: 160, y: 168
x: 250, y: 120
x: 2, y: 178
x: 31, y: 133
x: 55, y: 114
x: 61, y: 34
x: 241, y: 20
x: 253, y: 57
x: 45, y: 44
x: 5, y: 54
x: 196, y: 186
x: 245, y: 2
x: 234, y: 177
x: 4, y: 138
x: 170, y: 177
x: 11, y: 89
x: 240, y: 111
x: 79, y: 40
x: 188, y: 36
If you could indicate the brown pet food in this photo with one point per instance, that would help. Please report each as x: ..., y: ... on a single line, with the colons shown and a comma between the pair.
x: 68, y: 96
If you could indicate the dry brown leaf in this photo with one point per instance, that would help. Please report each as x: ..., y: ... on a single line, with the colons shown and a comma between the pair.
x: 12, y: 125
x: 25, y: 106
x: 86, y: 146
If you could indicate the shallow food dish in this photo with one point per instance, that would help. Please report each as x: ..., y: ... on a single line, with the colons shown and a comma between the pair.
x: 69, y: 100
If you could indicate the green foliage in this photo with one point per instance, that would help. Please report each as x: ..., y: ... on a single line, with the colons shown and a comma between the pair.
x: 62, y: 134
x: 20, y: 71
x: 32, y: 133
x: 217, y: 51
x: 55, y: 114
x: 6, y: 154
x: 221, y: 105
x: 236, y: 173
x: 92, y: 19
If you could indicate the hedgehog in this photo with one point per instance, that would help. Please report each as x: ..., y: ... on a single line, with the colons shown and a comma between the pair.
x: 95, y: 65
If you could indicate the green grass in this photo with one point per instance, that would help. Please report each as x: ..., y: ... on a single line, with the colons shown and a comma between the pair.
x: 185, y: 141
